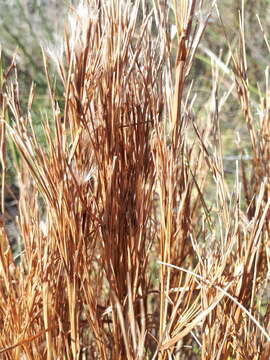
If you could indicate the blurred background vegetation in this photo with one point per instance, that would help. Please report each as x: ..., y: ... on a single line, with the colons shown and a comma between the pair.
x: 25, y: 26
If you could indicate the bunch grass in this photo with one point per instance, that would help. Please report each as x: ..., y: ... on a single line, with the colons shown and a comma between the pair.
x: 120, y: 187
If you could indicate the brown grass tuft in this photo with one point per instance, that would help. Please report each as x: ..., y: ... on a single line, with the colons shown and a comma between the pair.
x: 123, y: 254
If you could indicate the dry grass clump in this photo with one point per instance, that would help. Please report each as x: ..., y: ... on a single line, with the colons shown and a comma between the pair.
x: 121, y: 255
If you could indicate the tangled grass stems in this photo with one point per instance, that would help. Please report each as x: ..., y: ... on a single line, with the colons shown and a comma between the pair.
x: 121, y: 186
